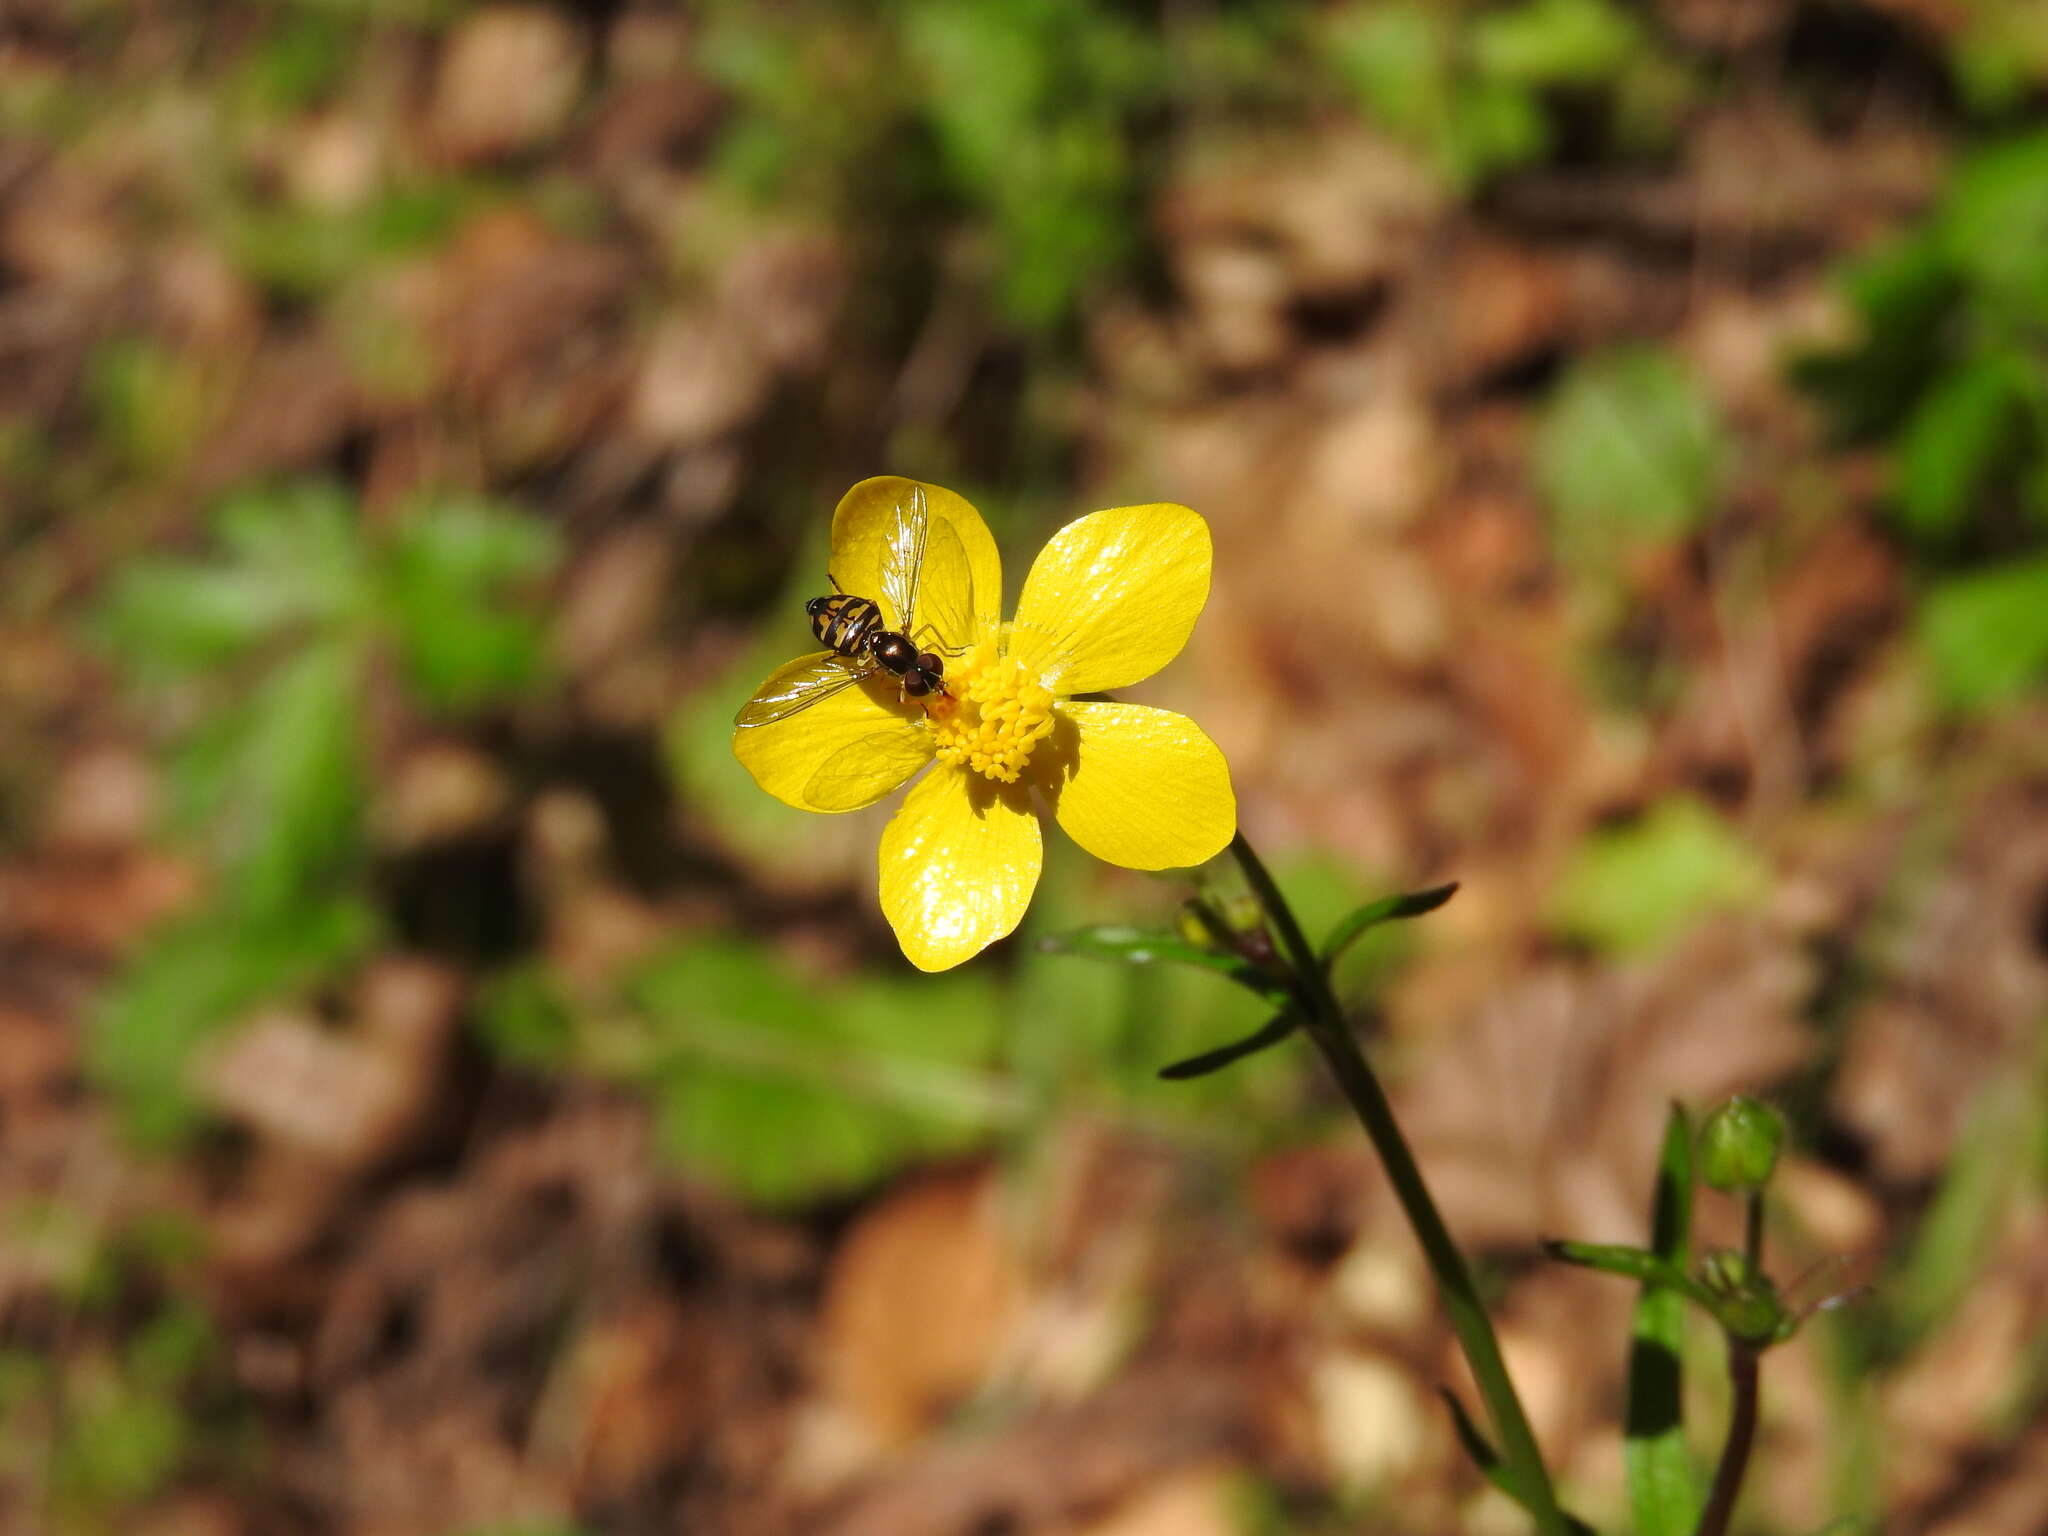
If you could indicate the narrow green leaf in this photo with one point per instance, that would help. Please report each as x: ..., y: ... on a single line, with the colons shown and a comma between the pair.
x: 1391, y: 909
x: 1613, y: 1259
x: 1487, y: 1460
x: 1671, y: 1208
x: 1145, y: 946
x: 1479, y: 1448
x: 1276, y: 1029
x: 1662, y: 1481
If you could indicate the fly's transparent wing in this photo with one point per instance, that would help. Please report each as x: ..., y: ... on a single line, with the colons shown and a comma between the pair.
x: 798, y: 686
x: 903, y: 560
x: 863, y: 771
x: 945, y: 591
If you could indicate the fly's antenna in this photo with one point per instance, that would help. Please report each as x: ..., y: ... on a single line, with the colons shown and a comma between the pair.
x: 835, y: 582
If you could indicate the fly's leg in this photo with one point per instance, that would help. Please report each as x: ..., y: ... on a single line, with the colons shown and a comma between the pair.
x: 924, y: 630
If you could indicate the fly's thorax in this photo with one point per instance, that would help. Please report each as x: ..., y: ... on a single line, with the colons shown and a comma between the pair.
x: 993, y: 715
x: 893, y: 651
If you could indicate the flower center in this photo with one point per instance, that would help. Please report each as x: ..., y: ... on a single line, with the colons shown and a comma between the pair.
x: 993, y: 714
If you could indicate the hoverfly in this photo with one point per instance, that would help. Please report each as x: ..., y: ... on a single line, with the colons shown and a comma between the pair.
x: 854, y: 629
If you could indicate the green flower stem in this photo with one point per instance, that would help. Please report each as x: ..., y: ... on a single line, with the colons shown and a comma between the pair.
x: 1753, y: 1231
x: 1325, y: 1024
x: 1742, y: 1375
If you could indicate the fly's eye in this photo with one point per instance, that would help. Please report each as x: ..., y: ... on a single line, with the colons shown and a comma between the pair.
x: 929, y: 661
x: 815, y: 606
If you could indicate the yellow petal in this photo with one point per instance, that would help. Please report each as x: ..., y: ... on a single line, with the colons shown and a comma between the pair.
x: 961, y: 584
x: 959, y: 862
x: 845, y: 751
x: 1144, y: 788
x: 1111, y: 599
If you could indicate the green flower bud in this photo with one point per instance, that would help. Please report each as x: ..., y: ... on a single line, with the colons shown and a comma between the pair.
x: 1739, y: 1145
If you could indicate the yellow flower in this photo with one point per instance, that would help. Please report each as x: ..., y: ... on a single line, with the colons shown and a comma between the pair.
x: 1109, y: 601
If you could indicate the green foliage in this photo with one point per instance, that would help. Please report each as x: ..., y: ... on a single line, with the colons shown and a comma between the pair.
x: 1985, y: 636
x: 1948, y: 360
x: 779, y: 1089
x: 1637, y: 887
x: 147, y: 404
x: 1473, y: 89
x: 1949, y: 368
x: 109, y: 1428
x: 1123, y: 943
x: 1242, y: 953
x: 300, y: 60
x: 305, y: 253
x: 1628, y: 451
x: 2000, y: 54
x: 1014, y: 122
x: 1970, y: 421
x: 259, y: 659
x: 1556, y: 42
x: 1011, y: 123
x: 195, y: 975
x: 134, y: 1440
x: 1031, y: 101
x: 1009, y: 118
x: 445, y: 588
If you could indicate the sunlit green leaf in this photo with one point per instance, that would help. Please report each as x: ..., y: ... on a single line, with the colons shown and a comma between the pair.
x: 289, y: 556
x: 1029, y: 98
x: 522, y: 1016
x: 149, y: 402
x: 1986, y: 635
x: 193, y: 977
x: 1555, y: 42
x: 1629, y: 450
x: 290, y: 818
x: 1639, y: 886
x: 786, y: 1092
x: 454, y: 594
x: 1994, y: 226
x: 127, y: 1444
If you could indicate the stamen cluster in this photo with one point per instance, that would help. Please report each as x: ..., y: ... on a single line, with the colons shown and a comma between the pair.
x: 997, y: 714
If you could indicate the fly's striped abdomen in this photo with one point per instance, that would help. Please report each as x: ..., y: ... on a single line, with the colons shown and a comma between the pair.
x: 843, y: 622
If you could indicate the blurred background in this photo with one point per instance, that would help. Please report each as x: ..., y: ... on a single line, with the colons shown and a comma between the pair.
x: 439, y: 1094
